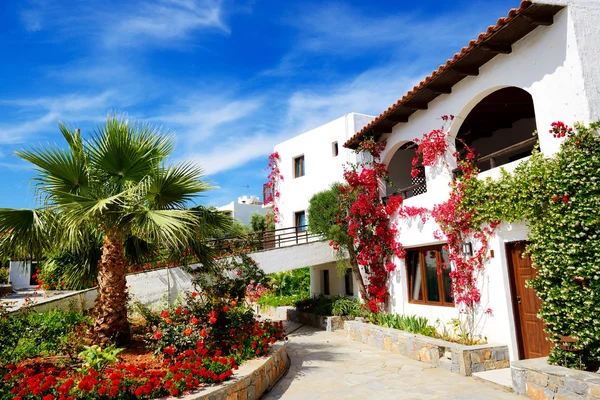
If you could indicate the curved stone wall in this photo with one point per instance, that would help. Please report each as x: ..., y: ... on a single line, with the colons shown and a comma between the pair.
x: 253, y: 379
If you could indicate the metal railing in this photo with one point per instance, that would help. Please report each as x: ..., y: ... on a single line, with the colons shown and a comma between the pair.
x: 406, y: 192
x: 525, y: 145
x: 270, y: 239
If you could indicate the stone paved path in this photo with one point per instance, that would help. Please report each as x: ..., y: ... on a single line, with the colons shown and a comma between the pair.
x: 326, y: 365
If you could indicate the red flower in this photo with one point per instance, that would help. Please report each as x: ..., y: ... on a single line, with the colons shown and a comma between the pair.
x: 195, y: 321
x: 565, y: 199
x: 164, y: 314
x: 158, y: 335
x: 187, y: 332
x: 225, y: 308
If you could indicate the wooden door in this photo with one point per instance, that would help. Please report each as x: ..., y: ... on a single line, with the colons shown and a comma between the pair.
x: 530, y: 329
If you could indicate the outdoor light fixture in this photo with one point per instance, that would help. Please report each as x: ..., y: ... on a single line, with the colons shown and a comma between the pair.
x: 467, y: 249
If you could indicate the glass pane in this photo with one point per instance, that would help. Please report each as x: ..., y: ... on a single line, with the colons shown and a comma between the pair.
x: 447, y: 281
x: 431, y: 268
x: 414, y: 271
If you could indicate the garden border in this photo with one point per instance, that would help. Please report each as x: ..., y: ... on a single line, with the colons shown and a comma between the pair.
x: 253, y: 378
x: 326, y: 323
x: 456, y: 358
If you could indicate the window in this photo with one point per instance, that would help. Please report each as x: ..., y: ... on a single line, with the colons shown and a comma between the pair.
x: 326, y: 282
x: 300, y: 218
x: 349, y: 282
x: 334, y: 149
x: 428, y: 272
x: 298, y: 167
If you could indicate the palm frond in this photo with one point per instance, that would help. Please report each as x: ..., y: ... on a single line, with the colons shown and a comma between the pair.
x: 175, y: 186
x: 58, y: 170
x: 212, y: 222
x: 25, y: 233
x: 127, y: 151
x: 167, y: 228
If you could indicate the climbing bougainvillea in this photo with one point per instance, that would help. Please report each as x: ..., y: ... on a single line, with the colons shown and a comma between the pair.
x: 369, y: 222
x: 272, y: 193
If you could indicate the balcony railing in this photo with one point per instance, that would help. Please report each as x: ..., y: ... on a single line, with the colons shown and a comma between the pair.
x: 266, y: 240
x: 407, y: 192
x: 491, y: 159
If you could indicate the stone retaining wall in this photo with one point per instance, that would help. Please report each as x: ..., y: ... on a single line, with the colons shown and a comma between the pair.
x: 457, y: 358
x: 253, y: 379
x: 539, y: 380
x: 328, y: 324
x: 273, y: 312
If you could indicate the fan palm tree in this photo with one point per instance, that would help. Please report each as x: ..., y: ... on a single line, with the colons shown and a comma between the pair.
x: 115, y: 187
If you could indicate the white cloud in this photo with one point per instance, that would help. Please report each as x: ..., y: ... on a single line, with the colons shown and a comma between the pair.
x: 35, y: 115
x: 166, y: 21
x: 199, y: 118
x: 118, y: 24
x: 301, y: 111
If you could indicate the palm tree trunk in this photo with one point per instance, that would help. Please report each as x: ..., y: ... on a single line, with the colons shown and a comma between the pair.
x: 356, y: 272
x: 111, y: 325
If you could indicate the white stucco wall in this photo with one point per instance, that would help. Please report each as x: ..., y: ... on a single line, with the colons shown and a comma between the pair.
x: 555, y: 65
x: 321, y: 168
x: 19, y: 274
x: 290, y: 257
x: 243, y: 212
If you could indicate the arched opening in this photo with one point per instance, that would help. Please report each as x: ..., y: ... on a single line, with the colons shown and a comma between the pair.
x: 400, y: 167
x: 499, y: 128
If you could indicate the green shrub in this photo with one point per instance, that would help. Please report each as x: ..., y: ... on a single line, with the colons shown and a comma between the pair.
x: 290, y: 283
x: 347, y: 307
x: 28, y: 334
x: 273, y: 300
x: 409, y: 323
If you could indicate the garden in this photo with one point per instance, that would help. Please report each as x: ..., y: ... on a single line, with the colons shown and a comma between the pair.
x: 107, y: 203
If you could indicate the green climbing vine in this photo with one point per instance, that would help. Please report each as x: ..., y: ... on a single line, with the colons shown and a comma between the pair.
x: 559, y: 199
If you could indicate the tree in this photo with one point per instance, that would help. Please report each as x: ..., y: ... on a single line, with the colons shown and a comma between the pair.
x: 258, y: 222
x: 324, y: 211
x: 117, y: 187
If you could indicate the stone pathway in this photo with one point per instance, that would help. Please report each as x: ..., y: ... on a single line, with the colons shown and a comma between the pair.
x: 326, y: 365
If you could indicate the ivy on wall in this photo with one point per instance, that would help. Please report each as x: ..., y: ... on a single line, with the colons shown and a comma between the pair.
x: 559, y: 198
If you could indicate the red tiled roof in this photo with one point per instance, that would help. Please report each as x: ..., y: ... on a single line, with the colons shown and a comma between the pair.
x: 495, y: 40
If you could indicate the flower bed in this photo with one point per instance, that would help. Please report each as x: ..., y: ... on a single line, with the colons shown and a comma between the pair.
x: 251, y: 380
x: 539, y: 380
x: 456, y: 358
x: 173, y: 352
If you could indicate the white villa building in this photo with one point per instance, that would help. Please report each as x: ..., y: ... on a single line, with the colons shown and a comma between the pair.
x: 537, y: 65
x: 310, y: 163
x: 243, y: 209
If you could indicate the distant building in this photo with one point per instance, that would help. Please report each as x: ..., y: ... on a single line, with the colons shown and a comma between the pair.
x: 243, y: 209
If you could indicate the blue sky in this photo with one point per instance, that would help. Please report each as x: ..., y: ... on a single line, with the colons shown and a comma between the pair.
x: 230, y: 78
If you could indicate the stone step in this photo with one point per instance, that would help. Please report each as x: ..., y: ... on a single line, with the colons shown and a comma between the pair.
x: 500, y: 377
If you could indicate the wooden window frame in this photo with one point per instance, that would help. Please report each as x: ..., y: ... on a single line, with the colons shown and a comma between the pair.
x: 296, y: 160
x: 409, y: 278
